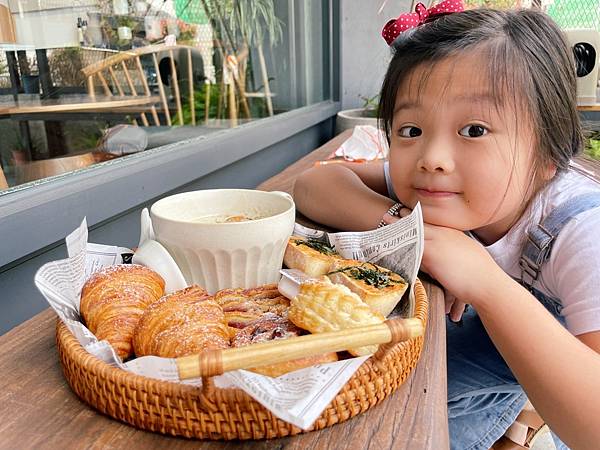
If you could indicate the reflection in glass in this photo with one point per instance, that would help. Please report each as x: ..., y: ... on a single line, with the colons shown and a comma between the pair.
x: 99, y: 79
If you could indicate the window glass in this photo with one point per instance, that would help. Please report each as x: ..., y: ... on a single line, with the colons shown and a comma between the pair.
x: 86, y: 81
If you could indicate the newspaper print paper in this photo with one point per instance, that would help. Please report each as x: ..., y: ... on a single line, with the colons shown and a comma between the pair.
x: 298, y: 397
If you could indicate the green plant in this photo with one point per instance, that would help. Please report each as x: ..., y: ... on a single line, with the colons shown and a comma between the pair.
x: 370, y: 105
x: 592, y: 147
x: 255, y: 20
x: 65, y: 66
x: 199, y: 104
x: 495, y: 4
x: 187, y: 35
x: 126, y: 21
x: 85, y: 135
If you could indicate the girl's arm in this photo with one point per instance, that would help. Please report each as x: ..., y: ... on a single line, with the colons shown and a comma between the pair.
x: 559, y: 373
x: 346, y: 196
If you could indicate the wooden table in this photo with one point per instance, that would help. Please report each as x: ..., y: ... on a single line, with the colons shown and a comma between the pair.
x: 74, y: 104
x: 38, y: 409
x: 594, y: 107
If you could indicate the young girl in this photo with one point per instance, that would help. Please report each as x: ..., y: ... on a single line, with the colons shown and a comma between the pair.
x: 479, y: 110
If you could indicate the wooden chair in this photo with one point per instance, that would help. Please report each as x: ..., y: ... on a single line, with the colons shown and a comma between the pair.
x: 123, y: 74
x: 3, y: 182
x: 36, y: 170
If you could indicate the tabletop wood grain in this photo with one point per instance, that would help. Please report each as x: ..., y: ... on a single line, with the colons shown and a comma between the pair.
x: 38, y: 409
x: 73, y: 104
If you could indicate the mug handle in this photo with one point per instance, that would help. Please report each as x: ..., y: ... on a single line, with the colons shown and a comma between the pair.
x: 284, y: 194
x: 146, y: 229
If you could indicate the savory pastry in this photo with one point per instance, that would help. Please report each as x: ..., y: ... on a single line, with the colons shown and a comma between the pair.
x: 114, y: 299
x: 312, y: 257
x: 270, y: 327
x: 379, y: 288
x: 323, y: 306
x: 185, y: 322
x: 243, y: 306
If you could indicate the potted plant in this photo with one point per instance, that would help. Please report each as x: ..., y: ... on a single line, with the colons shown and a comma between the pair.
x: 367, y: 115
x: 65, y: 66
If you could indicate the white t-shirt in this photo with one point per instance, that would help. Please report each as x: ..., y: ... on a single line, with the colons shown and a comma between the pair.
x: 572, y: 273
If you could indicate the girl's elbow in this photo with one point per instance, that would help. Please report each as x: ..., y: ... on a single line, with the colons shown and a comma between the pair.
x: 299, y: 190
x: 303, y: 183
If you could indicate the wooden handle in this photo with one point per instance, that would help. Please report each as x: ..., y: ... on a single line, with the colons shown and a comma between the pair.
x: 216, y: 362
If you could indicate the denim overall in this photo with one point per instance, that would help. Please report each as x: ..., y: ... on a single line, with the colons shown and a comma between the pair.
x: 484, y: 398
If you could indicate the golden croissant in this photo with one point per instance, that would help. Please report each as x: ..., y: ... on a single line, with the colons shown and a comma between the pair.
x: 114, y: 299
x: 183, y: 323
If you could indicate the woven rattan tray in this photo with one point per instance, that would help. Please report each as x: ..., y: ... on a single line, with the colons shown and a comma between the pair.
x: 213, y: 413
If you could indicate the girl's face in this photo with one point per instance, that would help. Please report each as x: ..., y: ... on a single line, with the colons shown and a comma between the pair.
x: 457, y: 153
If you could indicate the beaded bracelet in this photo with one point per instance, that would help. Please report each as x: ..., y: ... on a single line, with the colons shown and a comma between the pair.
x: 392, y: 212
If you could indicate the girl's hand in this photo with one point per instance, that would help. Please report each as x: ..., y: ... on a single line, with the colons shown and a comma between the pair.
x: 460, y: 264
x: 454, y: 307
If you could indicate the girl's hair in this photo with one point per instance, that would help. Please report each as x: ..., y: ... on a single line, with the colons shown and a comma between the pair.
x: 527, y: 59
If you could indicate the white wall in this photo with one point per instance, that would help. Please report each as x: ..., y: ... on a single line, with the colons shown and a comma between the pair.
x: 364, y: 53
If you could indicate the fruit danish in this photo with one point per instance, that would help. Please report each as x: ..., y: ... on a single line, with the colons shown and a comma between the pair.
x: 270, y: 327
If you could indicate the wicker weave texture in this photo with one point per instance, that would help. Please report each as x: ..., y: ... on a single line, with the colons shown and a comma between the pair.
x: 213, y: 413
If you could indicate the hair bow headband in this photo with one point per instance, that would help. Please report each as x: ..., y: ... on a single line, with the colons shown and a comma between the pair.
x: 394, y: 27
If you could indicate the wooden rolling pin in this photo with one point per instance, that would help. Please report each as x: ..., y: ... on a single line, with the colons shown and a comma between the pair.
x: 217, y: 362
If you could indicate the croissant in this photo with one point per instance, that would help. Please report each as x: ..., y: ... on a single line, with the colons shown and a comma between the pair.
x: 114, y: 299
x: 183, y: 323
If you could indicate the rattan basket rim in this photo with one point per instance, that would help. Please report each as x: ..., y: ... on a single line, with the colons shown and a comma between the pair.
x: 112, y: 390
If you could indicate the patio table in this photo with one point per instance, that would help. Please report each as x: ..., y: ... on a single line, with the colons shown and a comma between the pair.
x: 39, y: 410
x: 74, y: 104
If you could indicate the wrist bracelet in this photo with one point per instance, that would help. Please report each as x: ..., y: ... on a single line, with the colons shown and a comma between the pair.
x: 392, y: 212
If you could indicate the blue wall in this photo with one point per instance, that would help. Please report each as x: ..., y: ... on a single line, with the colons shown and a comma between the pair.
x: 20, y: 300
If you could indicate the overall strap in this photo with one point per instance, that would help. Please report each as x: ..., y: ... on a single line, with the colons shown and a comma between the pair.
x: 541, y: 237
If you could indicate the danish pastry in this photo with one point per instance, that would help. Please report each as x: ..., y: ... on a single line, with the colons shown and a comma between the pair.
x: 270, y: 327
x: 244, y: 306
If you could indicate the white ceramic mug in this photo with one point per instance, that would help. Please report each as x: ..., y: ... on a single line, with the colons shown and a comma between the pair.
x: 225, y: 255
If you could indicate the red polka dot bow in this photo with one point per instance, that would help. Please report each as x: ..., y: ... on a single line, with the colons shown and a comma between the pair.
x: 394, y: 27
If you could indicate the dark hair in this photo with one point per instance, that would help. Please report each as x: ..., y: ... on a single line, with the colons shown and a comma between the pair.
x: 527, y: 59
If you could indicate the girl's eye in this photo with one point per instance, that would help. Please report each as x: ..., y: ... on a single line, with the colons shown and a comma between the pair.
x: 410, y: 132
x: 473, y: 131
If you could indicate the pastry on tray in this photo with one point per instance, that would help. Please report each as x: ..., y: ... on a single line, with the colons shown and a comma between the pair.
x: 312, y: 257
x: 271, y: 327
x: 322, y: 306
x: 378, y: 287
x: 244, y: 306
x: 114, y: 299
x: 186, y: 322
